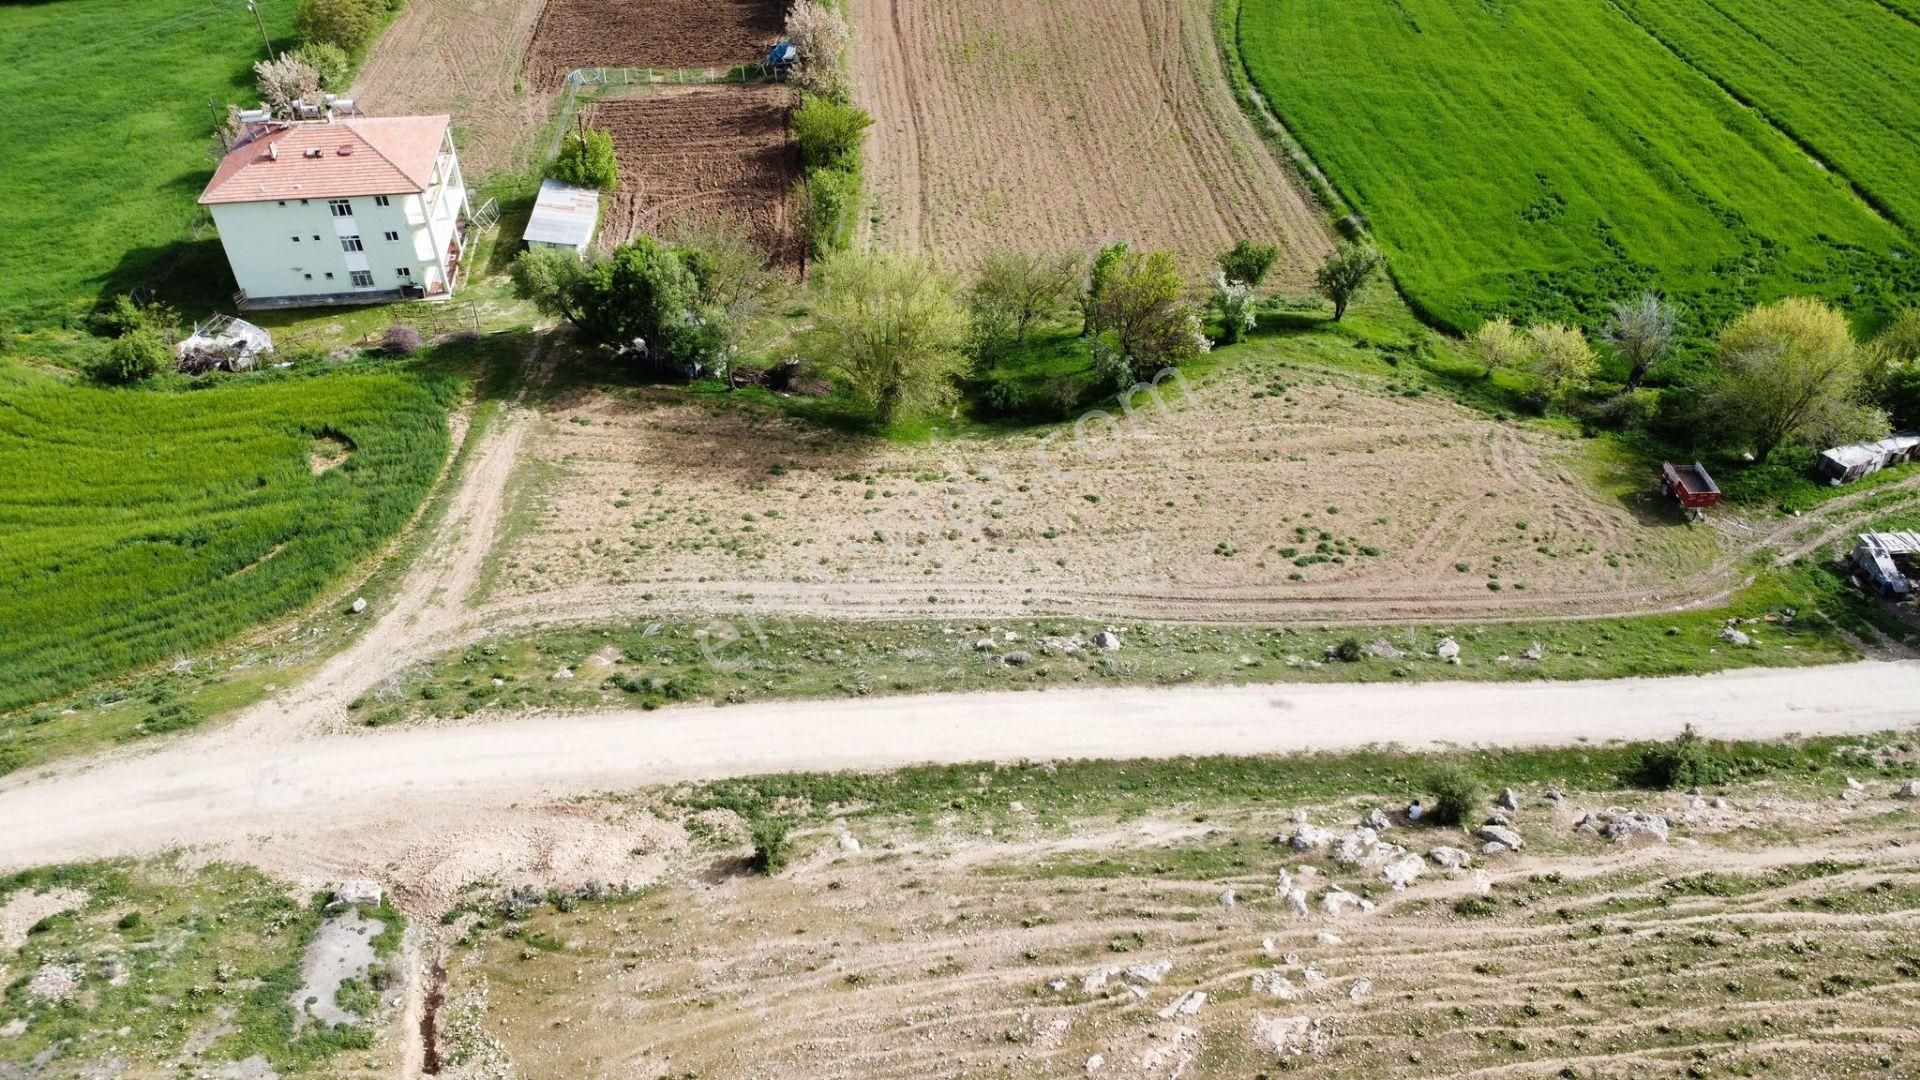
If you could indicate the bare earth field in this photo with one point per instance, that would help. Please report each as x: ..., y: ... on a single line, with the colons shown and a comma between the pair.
x: 650, y: 33
x: 1776, y: 935
x: 462, y: 57
x: 1228, y: 500
x: 689, y: 152
x: 1067, y: 124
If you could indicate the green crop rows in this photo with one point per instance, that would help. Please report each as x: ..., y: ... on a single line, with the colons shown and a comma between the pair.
x: 135, y: 525
x: 1541, y: 157
x: 1841, y: 76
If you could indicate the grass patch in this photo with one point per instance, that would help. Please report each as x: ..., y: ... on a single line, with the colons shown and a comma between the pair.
x: 1575, y: 160
x: 105, y: 108
x: 144, y: 524
x: 163, y: 955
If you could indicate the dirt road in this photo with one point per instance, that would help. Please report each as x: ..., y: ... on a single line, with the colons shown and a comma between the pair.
x: 337, y: 793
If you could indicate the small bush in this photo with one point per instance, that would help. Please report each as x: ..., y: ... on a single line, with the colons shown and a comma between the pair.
x: 830, y: 133
x: 1348, y: 651
x: 1248, y: 263
x: 770, y: 846
x: 833, y: 209
x: 140, y: 354
x: 329, y: 61
x: 587, y: 160
x: 1456, y: 794
x: 1688, y: 761
x: 400, y: 340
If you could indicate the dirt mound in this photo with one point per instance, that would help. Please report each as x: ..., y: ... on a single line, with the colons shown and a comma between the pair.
x: 714, y: 150
x: 650, y: 33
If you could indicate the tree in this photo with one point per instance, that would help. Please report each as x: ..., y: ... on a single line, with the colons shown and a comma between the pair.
x: 1642, y: 331
x: 1019, y: 289
x: 286, y: 82
x: 1098, y: 274
x: 329, y: 62
x: 345, y: 24
x: 1143, y: 304
x: 1344, y: 273
x: 820, y: 34
x: 1248, y: 263
x: 1499, y: 344
x: 1790, y: 370
x: 731, y: 277
x: 1894, y: 369
x: 587, y: 160
x: 1233, y: 302
x: 830, y: 133
x: 1561, y: 357
x: 139, y: 354
x: 554, y: 280
x: 893, y: 328
x: 643, y: 291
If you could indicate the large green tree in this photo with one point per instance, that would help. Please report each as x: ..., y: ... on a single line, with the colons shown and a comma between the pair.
x: 1790, y: 370
x: 1143, y: 304
x: 892, y: 326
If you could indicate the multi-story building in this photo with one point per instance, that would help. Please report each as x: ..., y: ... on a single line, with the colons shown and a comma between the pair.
x: 343, y: 210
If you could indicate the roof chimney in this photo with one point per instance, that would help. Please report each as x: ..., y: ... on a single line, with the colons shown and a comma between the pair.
x: 273, y: 151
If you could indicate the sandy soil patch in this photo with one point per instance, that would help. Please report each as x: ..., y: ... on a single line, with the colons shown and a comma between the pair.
x: 701, y: 152
x: 1326, y: 496
x: 24, y: 910
x: 650, y: 33
x: 1067, y: 124
x: 462, y: 57
x: 1033, y: 955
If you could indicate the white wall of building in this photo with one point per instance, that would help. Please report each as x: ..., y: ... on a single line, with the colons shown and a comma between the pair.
x: 299, y: 247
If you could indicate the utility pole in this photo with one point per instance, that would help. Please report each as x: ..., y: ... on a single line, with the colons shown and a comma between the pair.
x: 261, y: 20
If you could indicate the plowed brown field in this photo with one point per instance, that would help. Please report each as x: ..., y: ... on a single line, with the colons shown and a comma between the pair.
x: 650, y: 33
x: 1065, y: 123
x: 703, y: 151
x: 462, y: 57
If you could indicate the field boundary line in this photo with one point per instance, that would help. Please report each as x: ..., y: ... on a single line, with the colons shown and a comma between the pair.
x: 1860, y: 191
x: 1256, y: 107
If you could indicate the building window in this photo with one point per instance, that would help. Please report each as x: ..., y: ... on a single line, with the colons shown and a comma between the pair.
x: 392, y: 237
x: 316, y: 238
x: 350, y: 243
x: 309, y: 277
x: 381, y: 200
x: 340, y: 207
x: 296, y: 239
x: 283, y: 202
x: 362, y: 279
x: 403, y: 272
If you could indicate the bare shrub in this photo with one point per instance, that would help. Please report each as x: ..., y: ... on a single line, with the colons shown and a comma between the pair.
x: 400, y: 340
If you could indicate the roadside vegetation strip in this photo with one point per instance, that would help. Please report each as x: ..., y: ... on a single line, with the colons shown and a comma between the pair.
x: 143, y: 525
x: 1540, y: 161
x: 189, y: 965
x: 1841, y: 77
x: 103, y: 169
x: 1799, y: 616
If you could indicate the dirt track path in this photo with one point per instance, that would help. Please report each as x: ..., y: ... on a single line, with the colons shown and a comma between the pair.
x: 333, y: 795
x: 290, y: 784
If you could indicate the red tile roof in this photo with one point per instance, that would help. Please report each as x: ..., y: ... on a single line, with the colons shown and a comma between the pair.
x: 359, y: 155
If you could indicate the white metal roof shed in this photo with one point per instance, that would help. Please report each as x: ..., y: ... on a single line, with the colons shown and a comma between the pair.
x: 564, y: 216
